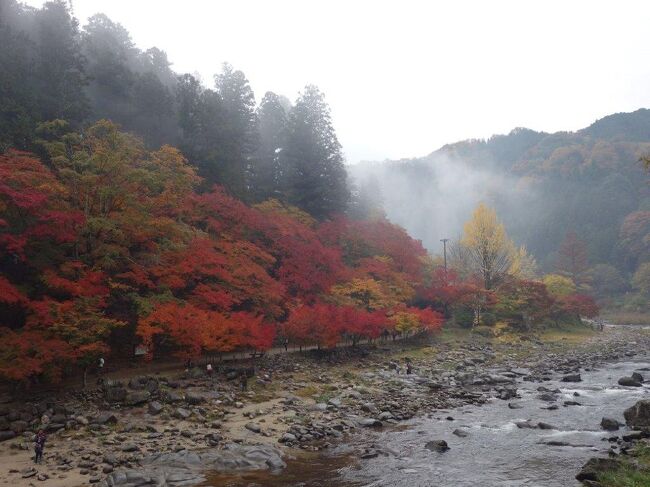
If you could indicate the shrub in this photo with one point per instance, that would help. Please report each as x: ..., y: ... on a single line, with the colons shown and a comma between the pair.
x: 464, y: 317
x: 488, y: 319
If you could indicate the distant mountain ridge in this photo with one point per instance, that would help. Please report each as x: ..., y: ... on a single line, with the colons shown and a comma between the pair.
x: 542, y: 184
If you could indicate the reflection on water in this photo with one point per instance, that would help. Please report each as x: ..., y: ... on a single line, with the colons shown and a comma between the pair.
x: 305, y: 469
x: 495, y: 452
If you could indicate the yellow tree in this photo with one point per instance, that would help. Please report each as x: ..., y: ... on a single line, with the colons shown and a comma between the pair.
x: 523, y: 265
x: 559, y: 286
x: 489, y: 248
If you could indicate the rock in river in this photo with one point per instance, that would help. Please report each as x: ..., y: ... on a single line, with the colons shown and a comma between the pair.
x: 572, y: 378
x: 609, y: 424
x: 638, y: 416
x: 437, y: 445
x: 629, y: 382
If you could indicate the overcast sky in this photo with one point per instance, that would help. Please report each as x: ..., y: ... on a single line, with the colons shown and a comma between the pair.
x: 405, y: 77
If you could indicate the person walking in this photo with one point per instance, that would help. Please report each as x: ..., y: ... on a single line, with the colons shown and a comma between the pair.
x: 39, y: 446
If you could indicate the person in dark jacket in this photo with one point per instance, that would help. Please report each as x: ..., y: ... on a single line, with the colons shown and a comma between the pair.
x: 39, y: 446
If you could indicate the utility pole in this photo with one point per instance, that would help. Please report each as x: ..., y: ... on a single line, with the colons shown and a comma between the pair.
x: 444, y: 246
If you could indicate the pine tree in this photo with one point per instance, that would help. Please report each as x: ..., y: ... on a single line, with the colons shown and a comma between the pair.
x: 316, y: 177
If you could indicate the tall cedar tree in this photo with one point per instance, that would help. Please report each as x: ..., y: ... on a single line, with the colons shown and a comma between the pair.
x: 241, y: 138
x: 316, y: 176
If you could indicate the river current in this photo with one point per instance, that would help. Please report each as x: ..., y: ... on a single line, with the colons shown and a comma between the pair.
x: 495, y: 452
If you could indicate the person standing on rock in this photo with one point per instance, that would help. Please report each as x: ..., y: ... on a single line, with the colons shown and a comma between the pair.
x: 208, y: 370
x: 409, y: 367
x: 39, y: 446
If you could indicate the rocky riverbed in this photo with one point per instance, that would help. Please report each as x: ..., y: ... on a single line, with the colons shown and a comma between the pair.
x: 174, y: 429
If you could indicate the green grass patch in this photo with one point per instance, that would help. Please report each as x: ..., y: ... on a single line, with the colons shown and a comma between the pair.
x: 567, y: 333
x: 307, y: 391
x: 630, y: 474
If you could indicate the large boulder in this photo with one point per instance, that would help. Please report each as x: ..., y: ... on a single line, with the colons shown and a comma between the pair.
x: 629, y: 382
x: 115, y: 394
x: 638, y: 416
x: 609, y: 424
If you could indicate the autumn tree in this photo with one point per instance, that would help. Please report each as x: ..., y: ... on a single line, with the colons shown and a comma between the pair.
x: 572, y: 258
x: 488, y: 245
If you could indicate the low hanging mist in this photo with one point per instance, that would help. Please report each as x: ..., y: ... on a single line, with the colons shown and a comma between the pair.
x: 433, y: 197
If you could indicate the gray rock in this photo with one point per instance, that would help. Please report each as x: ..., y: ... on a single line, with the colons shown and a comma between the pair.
x: 173, y: 397
x: 460, y: 433
x: 105, y: 418
x: 52, y: 427
x: 638, y: 416
x: 629, y: 382
x: 194, y: 398
x: 335, y: 401
x: 287, y: 438
x: 115, y: 394
x: 545, y: 426
x: 572, y: 378
x: 637, y: 377
x: 370, y: 423
x: 181, y: 413
x: 255, y: 428
x: 129, y: 447
x: 437, y: 445
x: 547, y: 396
x: 609, y: 424
x: 507, y: 393
x: 155, y: 407
x: 135, y: 398
x: 525, y: 425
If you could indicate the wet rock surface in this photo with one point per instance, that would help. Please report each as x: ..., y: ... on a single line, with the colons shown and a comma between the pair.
x: 307, y: 404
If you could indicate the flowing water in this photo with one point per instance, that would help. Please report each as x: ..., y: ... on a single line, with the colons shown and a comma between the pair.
x: 495, y: 453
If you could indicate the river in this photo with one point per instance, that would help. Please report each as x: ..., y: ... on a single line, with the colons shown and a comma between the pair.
x: 495, y: 451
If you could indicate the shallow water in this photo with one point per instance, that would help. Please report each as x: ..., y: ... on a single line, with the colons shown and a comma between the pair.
x: 495, y: 453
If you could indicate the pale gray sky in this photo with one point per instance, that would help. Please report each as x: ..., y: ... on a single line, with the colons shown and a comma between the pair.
x: 405, y: 77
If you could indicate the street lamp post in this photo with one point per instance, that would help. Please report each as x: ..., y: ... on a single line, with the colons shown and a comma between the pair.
x: 444, y: 246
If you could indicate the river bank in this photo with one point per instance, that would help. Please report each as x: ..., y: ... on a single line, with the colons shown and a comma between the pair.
x: 295, y: 403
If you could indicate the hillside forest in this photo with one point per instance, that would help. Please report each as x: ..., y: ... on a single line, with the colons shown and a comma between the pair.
x: 141, y: 209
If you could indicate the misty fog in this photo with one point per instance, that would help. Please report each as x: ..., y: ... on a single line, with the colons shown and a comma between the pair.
x: 432, y: 197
